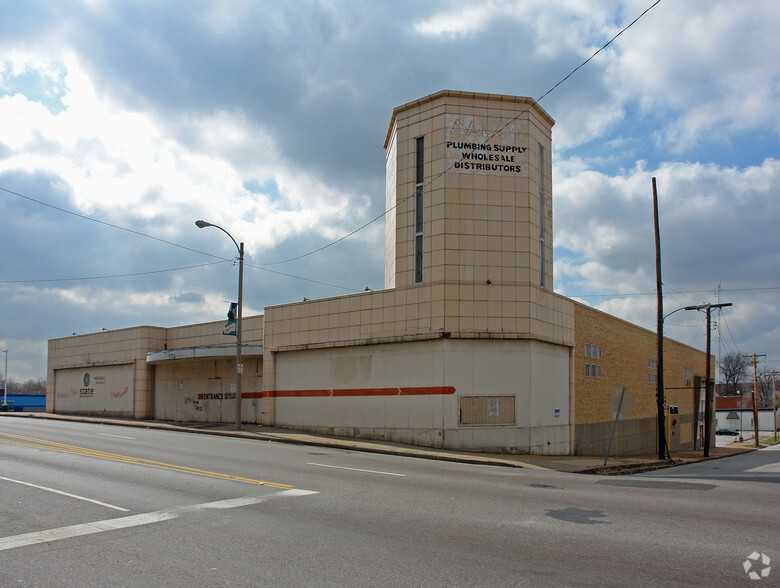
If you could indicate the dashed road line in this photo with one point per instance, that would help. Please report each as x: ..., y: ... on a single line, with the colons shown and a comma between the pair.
x: 324, y: 465
x: 63, y: 493
x: 117, y: 436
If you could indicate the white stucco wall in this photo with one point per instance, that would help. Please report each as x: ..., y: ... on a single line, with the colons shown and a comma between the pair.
x: 204, y: 391
x: 95, y: 390
x: 535, y: 374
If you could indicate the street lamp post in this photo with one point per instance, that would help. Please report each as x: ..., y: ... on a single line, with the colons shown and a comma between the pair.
x: 5, y: 381
x: 201, y: 224
x: 774, y: 404
x: 707, y: 389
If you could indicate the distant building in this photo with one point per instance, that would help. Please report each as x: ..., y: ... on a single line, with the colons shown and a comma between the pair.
x: 24, y: 402
x: 736, y: 413
x: 467, y: 347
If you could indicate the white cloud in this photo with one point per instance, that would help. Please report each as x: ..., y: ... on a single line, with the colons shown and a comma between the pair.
x: 707, y: 70
x: 459, y: 20
x: 717, y: 224
x: 609, y: 220
x: 128, y: 164
x: 268, y: 119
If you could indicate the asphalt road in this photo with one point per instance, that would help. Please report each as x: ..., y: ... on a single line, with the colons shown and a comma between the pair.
x: 96, y: 505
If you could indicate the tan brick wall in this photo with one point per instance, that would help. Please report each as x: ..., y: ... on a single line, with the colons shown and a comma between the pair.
x: 422, y: 311
x: 117, y: 347
x: 130, y: 346
x: 477, y: 227
x: 203, y: 334
x: 625, y: 351
x: 203, y: 390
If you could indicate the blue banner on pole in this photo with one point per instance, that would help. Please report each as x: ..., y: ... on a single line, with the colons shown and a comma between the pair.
x: 230, y: 325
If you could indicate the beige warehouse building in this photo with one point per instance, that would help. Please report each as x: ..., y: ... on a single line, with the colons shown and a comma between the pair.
x: 467, y: 347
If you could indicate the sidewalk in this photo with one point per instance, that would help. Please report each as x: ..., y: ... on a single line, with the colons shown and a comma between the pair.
x: 565, y: 463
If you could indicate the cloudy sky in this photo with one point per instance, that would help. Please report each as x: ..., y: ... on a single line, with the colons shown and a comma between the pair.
x: 121, y: 123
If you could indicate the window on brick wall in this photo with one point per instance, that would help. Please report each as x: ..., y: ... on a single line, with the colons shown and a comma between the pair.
x: 592, y: 370
x: 592, y: 352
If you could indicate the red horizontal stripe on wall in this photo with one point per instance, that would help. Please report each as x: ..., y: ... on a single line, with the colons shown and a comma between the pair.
x: 366, y: 392
x: 423, y: 390
x: 354, y: 392
x: 298, y: 393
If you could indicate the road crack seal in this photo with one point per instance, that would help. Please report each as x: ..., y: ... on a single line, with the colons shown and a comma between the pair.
x: 578, y: 515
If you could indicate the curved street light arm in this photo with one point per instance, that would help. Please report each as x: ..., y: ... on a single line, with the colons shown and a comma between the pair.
x: 201, y: 224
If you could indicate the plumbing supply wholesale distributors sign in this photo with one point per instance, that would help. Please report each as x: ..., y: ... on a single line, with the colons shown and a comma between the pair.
x: 500, y: 148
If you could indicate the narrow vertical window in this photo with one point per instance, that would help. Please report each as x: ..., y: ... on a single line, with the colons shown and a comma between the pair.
x: 419, y: 204
x: 541, y: 214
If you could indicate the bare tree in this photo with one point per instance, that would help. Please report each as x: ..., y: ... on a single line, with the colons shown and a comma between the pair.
x: 31, y: 386
x: 733, y: 367
x: 764, y: 391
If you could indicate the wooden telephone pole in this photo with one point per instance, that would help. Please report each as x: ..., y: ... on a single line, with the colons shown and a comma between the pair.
x: 708, y: 392
x: 755, y: 393
x: 659, y: 395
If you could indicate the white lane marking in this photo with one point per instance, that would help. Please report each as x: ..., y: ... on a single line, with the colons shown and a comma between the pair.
x: 48, y: 535
x: 248, y: 500
x: 323, y: 465
x: 769, y: 467
x: 85, y: 529
x: 117, y: 436
x: 68, y: 494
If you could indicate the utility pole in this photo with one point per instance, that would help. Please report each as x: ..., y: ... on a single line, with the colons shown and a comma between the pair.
x: 755, y: 393
x: 708, y: 392
x: 717, y: 359
x: 660, y: 326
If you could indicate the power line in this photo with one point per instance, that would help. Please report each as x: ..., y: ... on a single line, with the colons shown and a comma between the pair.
x: 684, y: 292
x: 262, y: 268
x: 140, y: 234
x: 331, y: 244
x: 175, y: 269
x: 104, y: 223
x: 433, y: 179
x: 607, y: 44
x: 370, y: 222
x: 613, y: 295
x: 304, y: 279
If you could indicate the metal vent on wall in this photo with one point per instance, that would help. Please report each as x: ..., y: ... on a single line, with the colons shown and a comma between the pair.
x: 487, y: 410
